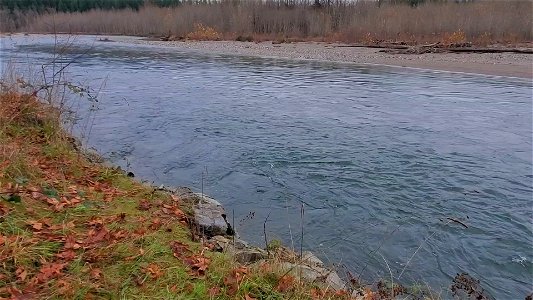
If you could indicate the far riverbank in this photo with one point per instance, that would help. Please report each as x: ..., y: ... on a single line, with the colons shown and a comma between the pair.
x: 495, y: 64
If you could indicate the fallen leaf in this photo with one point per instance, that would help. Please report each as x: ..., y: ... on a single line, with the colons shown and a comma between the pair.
x: 198, y: 264
x: 144, y: 205
x: 67, y: 255
x: 368, y: 294
x: 317, y: 294
x: 285, y: 283
x: 71, y: 243
x: 49, y: 271
x: 96, y: 236
x: 179, y: 249
x: 37, y: 226
x: 96, y: 274
x: 154, y: 271
x: 214, y: 291
x: 156, y: 224
x: 63, y: 287
x: 233, y: 279
x: 96, y: 222
x: 21, y: 273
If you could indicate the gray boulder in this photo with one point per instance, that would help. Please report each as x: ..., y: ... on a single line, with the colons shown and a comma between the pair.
x: 210, y: 217
x: 314, y: 274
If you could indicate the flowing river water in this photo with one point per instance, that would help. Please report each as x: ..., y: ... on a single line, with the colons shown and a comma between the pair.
x: 365, y: 162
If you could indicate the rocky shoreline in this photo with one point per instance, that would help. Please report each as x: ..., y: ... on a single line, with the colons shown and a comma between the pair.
x: 209, y: 221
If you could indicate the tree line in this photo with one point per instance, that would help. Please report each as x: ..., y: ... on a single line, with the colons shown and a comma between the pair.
x: 86, y: 5
x: 81, y: 5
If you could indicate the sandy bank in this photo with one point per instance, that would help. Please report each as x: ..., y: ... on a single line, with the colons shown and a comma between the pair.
x: 498, y: 64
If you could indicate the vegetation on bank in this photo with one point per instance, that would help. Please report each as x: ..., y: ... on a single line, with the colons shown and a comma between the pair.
x: 75, y: 229
x: 370, y: 22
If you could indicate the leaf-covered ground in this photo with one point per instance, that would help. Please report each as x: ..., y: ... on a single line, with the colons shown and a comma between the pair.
x: 73, y: 229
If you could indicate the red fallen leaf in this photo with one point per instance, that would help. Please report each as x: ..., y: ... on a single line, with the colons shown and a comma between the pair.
x: 341, y: 293
x: 96, y: 222
x: 198, y: 264
x: 96, y: 236
x: 17, y: 294
x: 37, y: 226
x: 154, y: 271
x: 63, y: 287
x: 71, y: 243
x: 33, y: 189
x: 117, y: 235
x: 144, y: 205
x: 214, y: 291
x: 52, y: 201
x: 285, y: 283
x: 368, y: 294
x: 2, y: 239
x: 47, y: 222
x: 317, y: 294
x: 50, y: 271
x: 96, y: 274
x: 179, y: 213
x: 74, y: 201
x: 3, y: 210
x: 21, y: 273
x: 233, y: 279
x: 156, y: 224
x: 69, y: 225
x: 179, y: 249
x: 139, y: 232
x: 67, y: 255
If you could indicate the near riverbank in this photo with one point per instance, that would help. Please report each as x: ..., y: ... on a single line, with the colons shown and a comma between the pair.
x: 73, y: 228
x: 496, y: 64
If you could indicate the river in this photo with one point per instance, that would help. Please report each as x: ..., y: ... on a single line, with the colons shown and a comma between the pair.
x: 367, y: 163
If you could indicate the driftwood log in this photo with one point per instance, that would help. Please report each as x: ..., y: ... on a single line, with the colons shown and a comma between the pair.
x: 402, y: 48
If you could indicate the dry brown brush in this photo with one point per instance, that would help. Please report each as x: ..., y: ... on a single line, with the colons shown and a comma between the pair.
x: 362, y: 21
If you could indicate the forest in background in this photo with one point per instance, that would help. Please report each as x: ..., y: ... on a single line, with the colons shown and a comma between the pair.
x: 411, y: 21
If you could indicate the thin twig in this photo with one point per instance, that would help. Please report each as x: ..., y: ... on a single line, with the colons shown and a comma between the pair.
x: 265, y: 233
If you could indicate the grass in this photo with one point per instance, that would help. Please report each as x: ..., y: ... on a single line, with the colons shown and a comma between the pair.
x: 74, y: 229
x: 370, y: 22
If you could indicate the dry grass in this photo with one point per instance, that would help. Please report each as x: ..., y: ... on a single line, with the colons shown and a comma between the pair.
x: 481, y: 21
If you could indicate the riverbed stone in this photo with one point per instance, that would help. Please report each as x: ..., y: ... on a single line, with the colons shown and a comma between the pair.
x: 210, y: 217
x: 466, y: 287
x: 238, y: 249
x: 311, y: 259
x: 314, y: 274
